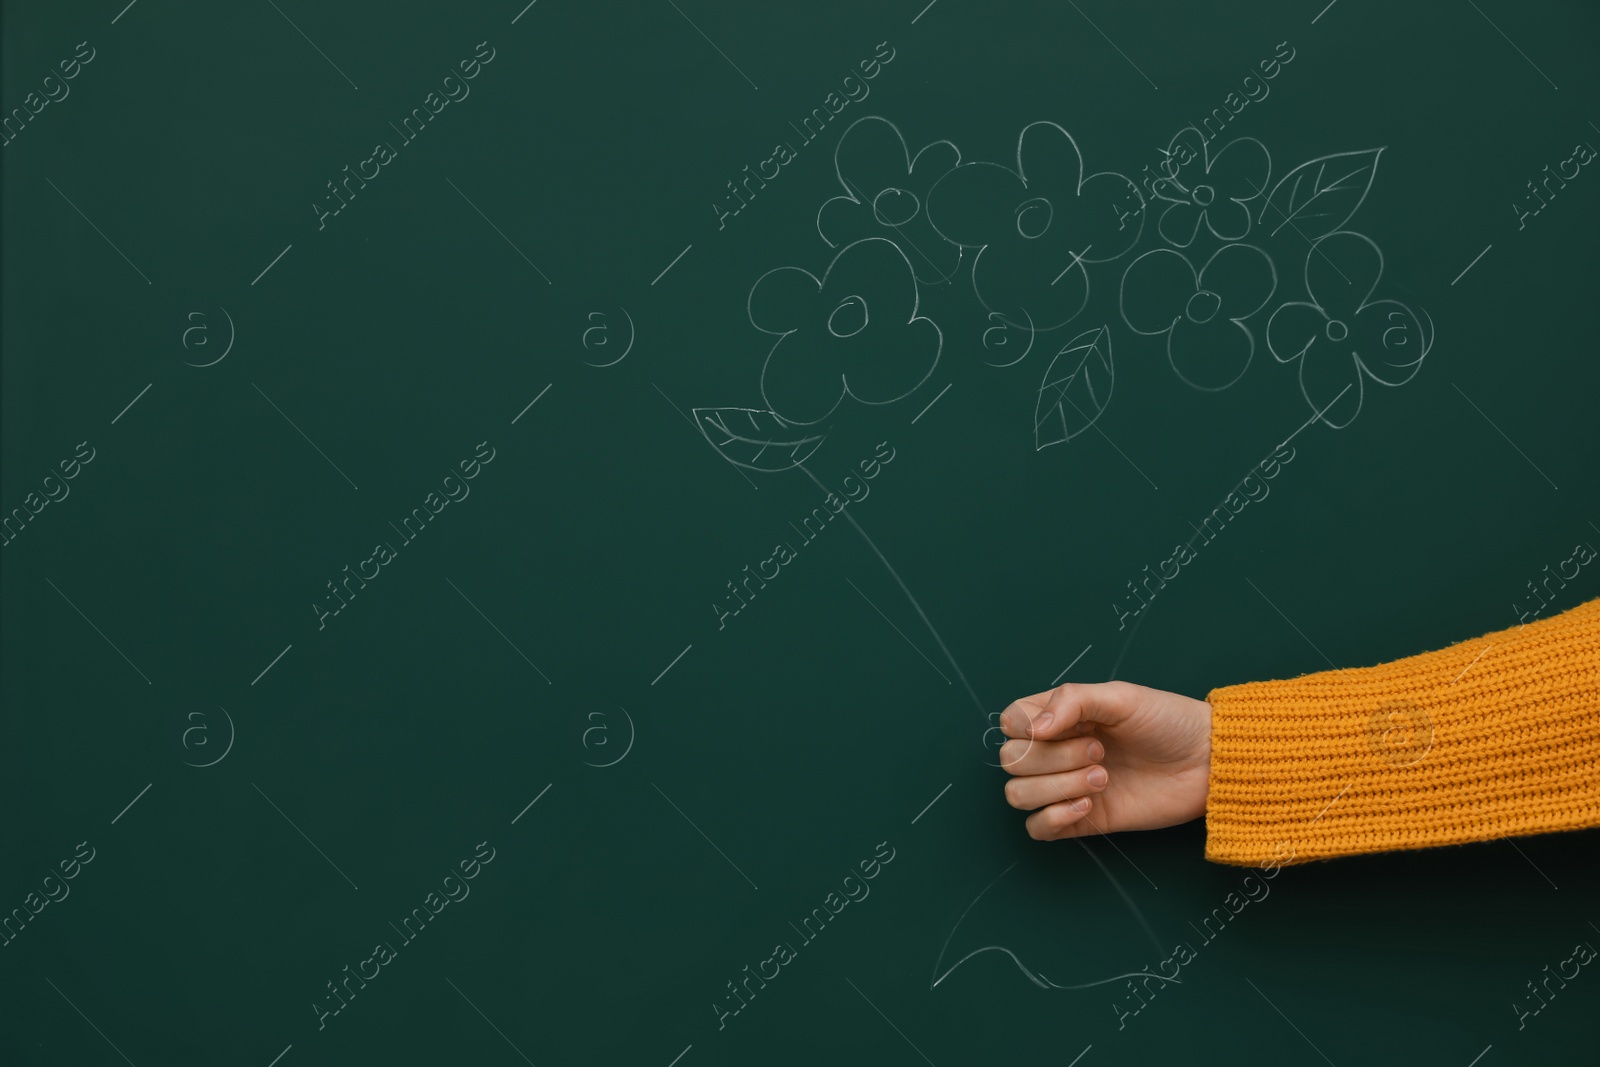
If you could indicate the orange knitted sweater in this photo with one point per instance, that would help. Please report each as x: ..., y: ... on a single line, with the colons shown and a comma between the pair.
x: 1487, y: 738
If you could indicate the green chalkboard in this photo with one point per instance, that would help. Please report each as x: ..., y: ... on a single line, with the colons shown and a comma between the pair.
x: 519, y: 518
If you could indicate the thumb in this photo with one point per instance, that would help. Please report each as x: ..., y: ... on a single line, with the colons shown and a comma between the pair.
x: 1069, y: 710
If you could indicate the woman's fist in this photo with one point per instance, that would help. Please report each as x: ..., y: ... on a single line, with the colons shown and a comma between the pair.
x: 1095, y: 759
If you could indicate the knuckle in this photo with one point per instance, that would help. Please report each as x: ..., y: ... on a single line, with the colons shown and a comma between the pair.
x: 1121, y: 691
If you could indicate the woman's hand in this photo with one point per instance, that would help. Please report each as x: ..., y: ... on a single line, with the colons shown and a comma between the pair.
x: 1095, y: 759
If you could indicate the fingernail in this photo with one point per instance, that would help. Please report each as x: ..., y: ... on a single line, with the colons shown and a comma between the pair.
x: 1041, y: 724
x: 1097, y: 752
x: 1097, y: 776
x: 1081, y: 804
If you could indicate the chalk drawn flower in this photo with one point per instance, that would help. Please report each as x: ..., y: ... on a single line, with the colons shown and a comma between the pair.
x: 1341, y: 336
x: 1201, y: 312
x: 1036, y: 227
x: 886, y: 192
x: 853, y: 332
x: 1211, y: 188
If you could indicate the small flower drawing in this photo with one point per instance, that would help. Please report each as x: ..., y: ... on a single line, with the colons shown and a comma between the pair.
x: 886, y: 192
x: 853, y: 332
x: 1341, y: 336
x: 1036, y: 227
x: 1201, y: 312
x: 1211, y: 188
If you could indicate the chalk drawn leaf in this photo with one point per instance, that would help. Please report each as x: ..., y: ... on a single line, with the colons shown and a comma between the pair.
x: 1076, y: 388
x: 756, y: 439
x: 1320, y: 195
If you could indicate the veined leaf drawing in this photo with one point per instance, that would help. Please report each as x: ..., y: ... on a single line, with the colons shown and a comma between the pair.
x: 1322, y: 194
x: 1076, y: 388
x: 754, y: 438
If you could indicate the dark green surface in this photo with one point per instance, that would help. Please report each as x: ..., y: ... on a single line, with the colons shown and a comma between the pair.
x: 804, y: 733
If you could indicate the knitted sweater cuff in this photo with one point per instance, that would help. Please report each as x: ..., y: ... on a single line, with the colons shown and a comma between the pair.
x: 1492, y: 737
